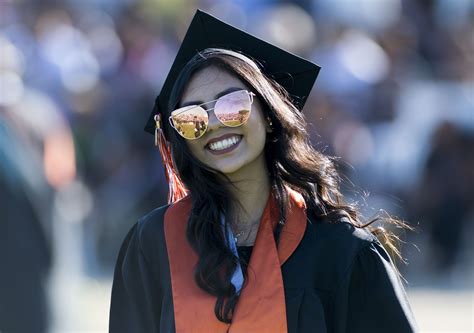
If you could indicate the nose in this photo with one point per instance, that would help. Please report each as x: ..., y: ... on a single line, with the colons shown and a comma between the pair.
x: 214, y: 123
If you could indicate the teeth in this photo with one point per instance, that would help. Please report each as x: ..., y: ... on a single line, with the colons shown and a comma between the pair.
x: 224, y: 144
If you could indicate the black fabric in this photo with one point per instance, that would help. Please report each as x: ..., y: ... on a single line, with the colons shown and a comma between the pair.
x: 245, y: 252
x: 141, y: 292
x: 338, y: 280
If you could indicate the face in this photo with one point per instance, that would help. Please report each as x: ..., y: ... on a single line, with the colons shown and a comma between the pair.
x: 247, y: 141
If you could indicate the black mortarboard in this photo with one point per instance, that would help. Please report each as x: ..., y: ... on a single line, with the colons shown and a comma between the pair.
x: 294, y: 73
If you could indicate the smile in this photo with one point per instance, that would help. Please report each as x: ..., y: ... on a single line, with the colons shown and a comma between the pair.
x: 225, y: 144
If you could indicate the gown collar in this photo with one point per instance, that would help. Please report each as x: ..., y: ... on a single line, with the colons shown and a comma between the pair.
x: 261, y: 304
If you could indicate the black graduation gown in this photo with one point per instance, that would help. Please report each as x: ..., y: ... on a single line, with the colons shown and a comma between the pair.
x: 338, y: 280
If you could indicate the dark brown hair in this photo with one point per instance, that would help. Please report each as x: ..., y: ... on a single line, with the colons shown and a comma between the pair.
x: 291, y: 160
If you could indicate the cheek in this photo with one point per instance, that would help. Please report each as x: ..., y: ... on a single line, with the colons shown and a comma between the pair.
x: 256, y: 132
x: 258, y: 124
x: 195, y: 149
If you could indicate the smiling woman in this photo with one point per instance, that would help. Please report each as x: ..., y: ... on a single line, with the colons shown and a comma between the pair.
x: 256, y: 236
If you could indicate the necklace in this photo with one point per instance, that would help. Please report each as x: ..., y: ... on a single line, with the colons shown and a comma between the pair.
x: 239, y: 234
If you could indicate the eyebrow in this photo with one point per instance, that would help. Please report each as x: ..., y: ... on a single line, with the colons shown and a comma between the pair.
x: 219, y: 95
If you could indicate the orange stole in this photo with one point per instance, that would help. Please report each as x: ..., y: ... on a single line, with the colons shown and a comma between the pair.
x: 261, y: 306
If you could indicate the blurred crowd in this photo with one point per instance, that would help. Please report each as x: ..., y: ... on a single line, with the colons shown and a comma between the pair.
x: 394, y: 100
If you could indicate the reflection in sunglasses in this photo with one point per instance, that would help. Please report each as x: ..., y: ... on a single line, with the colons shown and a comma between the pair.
x: 231, y: 110
x: 191, y: 128
x: 234, y: 119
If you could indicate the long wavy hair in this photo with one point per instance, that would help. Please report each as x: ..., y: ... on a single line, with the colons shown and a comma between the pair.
x: 291, y: 161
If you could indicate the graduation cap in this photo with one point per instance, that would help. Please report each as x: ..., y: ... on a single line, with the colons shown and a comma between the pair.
x: 294, y: 73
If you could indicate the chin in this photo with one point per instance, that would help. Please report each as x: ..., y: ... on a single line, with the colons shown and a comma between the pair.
x: 228, y: 169
x: 245, y: 166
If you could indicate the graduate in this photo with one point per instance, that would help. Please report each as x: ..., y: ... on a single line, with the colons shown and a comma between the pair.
x: 256, y: 236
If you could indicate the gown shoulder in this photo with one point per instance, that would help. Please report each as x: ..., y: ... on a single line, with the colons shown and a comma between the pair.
x: 362, y: 289
x: 370, y: 296
x: 150, y: 227
x: 333, y: 247
x: 342, y: 233
x: 141, y: 287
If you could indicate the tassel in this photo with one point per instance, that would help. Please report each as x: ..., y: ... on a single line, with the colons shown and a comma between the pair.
x: 177, y: 189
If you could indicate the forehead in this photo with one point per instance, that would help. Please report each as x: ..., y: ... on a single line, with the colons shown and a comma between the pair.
x: 208, y: 82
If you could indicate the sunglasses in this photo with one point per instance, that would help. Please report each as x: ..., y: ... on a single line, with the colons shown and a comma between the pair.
x: 232, y: 110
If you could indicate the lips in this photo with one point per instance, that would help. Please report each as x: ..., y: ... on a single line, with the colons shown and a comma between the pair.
x: 220, y: 138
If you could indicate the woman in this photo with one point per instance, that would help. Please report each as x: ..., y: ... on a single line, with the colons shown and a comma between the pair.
x: 257, y: 237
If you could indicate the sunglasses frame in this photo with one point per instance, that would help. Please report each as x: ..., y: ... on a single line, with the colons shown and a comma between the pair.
x: 249, y: 93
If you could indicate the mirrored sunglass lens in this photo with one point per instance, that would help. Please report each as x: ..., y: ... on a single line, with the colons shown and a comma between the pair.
x: 233, y: 109
x: 190, y: 123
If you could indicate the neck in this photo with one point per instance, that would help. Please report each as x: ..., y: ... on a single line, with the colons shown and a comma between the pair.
x: 251, y: 190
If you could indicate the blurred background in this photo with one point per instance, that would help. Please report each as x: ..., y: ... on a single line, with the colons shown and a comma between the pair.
x: 394, y: 99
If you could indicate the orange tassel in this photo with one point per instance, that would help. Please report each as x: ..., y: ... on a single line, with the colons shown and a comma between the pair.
x: 177, y: 189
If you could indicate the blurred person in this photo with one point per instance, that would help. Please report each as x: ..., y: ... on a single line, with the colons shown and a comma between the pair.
x: 36, y: 159
x: 446, y: 203
x: 447, y: 56
x: 25, y: 245
x: 256, y: 235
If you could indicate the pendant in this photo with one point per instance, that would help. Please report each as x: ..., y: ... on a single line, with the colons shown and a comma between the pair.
x: 236, y: 237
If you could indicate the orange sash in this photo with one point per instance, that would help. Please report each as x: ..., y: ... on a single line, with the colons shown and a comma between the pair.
x: 261, y: 306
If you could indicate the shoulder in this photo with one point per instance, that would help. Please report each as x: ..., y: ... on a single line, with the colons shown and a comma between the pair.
x: 335, y: 246
x: 147, y: 233
x: 142, y: 263
x: 151, y: 223
x: 342, y: 236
